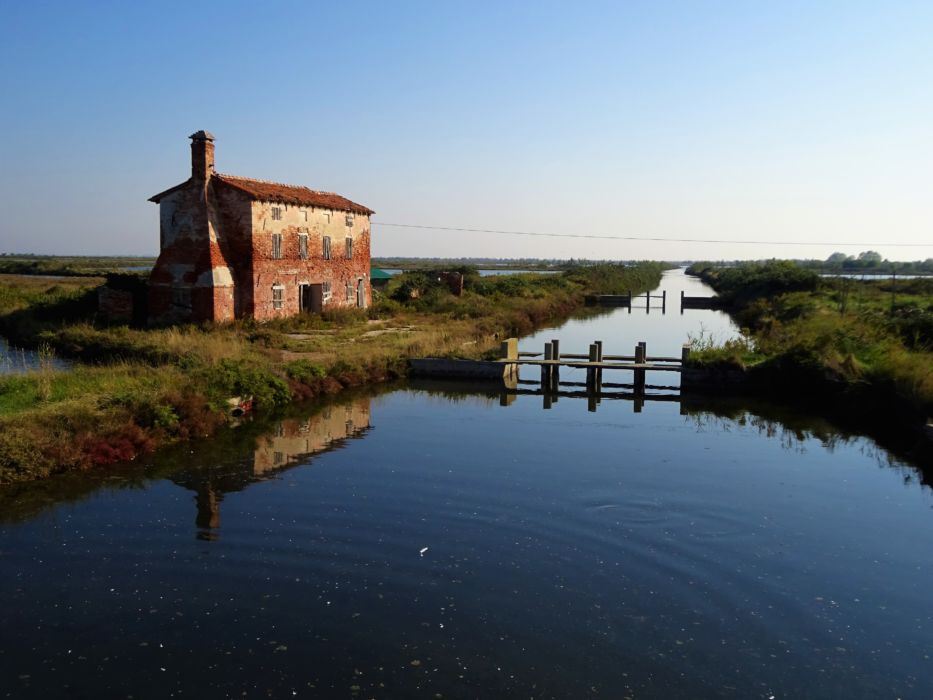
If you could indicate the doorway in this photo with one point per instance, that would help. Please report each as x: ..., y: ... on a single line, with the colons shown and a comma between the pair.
x: 311, y: 298
x: 360, y: 293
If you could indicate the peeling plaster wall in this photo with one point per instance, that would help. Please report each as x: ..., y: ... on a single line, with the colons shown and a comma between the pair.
x: 216, y: 259
x: 291, y: 270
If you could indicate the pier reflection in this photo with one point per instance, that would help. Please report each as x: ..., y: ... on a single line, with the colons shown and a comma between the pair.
x: 292, y: 442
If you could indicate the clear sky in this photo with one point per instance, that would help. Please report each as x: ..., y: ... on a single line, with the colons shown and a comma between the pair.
x: 740, y: 121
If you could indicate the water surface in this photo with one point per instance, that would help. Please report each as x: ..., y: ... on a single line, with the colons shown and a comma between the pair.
x: 426, y: 541
x: 417, y: 543
x: 16, y: 360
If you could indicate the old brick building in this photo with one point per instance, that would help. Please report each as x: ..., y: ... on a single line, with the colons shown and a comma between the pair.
x: 233, y: 247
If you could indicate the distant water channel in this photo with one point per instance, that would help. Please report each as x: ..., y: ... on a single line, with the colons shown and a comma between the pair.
x: 435, y: 541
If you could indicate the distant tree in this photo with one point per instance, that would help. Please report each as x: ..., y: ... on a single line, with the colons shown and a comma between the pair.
x: 836, y: 259
x: 870, y: 258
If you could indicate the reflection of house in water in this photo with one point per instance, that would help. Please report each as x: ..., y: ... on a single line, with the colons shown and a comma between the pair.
x: 293, y: 441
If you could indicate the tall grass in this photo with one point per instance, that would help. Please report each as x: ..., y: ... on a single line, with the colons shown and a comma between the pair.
x: 860, y: 335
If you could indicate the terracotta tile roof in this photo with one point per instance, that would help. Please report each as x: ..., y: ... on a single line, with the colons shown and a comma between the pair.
x: 265, y: 191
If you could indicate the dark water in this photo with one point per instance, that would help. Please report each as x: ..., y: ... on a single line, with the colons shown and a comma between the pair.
x: 15, y: 360
x: 420, y: 542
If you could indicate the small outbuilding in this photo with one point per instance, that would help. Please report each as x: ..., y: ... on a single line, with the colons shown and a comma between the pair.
x: 379, y: 279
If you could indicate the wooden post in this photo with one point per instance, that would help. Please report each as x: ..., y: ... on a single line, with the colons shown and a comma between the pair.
x: 591, y: 403
x: 681, y: 302
x: 599, y: 358
x: 685, y: 355
x: 664, y: 302
x: 555, y: 354
x: 590, y: 371
x: 630, y: 301
x: 546, y: 368
x: 641, y: 351
x: 648, y: 302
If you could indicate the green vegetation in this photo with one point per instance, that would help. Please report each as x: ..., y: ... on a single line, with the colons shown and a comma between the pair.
x: 139, y: 388
x: 75, y: 266
x: 873, y: 338
x: 402, y: 263
x: 867, y: 262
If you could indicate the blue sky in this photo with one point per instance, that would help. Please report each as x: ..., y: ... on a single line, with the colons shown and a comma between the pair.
x: 790, y: 121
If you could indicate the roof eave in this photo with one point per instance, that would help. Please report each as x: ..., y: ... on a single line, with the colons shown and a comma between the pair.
x: 157, y: 197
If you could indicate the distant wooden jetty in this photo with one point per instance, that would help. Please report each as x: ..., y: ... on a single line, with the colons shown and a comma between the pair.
x: 630, y: 301
x: 699, y: 302
x: 626, y: 301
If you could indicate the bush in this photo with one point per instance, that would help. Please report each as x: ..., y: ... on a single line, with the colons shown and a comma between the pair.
x: 146, y: 411
x: 229, y: 378
x: 304, y: 371
x: 740, y: 285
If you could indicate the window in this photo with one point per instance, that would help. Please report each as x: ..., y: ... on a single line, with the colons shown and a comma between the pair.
x: 276, y: 213
x: 325, y: 288
x: 181, y: 296
x: 303, y: 246
x: 303, y: 213
x: 348, y: 249
x: 277, y: 246
x: 349, y: 219
x: 349, y: 291
x: 326, y: 215
x: 278, y: 296
x: 327, y: 247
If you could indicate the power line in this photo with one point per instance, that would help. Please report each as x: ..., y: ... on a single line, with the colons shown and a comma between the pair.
x: 648, y: 238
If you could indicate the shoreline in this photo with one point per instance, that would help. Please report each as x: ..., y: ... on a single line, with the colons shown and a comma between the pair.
x: 151, y: 388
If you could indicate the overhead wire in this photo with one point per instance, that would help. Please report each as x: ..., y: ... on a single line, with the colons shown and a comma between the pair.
x: 652, y: 239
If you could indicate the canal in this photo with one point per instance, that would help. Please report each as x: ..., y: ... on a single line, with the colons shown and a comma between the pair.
x: 423, y: 540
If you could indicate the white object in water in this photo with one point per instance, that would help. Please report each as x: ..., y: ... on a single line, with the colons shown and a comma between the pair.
x: 423, y: 550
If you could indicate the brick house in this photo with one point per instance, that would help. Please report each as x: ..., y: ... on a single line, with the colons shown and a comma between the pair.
x: 234, y: 247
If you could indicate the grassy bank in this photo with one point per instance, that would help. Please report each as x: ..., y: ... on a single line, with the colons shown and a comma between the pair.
x: 139, y: 388
x: 71, y: 266
x: 868, y: 340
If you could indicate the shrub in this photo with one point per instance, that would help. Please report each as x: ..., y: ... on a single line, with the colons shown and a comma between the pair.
x: 304, y: 371
x: 229, y: 378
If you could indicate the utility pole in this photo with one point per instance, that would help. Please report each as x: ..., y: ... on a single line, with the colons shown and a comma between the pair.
x: 893, y: 288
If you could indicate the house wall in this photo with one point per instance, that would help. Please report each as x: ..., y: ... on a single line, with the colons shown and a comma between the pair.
x: 291, y: 271
x: 199, y: 232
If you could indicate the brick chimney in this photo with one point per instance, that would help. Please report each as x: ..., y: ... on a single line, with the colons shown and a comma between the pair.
x: 202, y: 155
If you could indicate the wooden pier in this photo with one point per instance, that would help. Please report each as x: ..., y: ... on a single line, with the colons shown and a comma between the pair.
x: 502, y: 374
x: 595, y: 362
x: 699, y: 302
